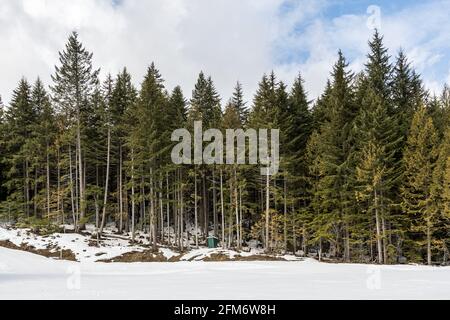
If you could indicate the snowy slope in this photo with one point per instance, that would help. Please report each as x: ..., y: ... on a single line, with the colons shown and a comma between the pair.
x: 85, y: 250
x: 24, y: 275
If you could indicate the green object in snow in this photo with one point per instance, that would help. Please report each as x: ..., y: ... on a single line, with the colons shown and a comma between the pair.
x: 213, y: 242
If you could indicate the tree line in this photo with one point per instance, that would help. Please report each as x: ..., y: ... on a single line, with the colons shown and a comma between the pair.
x: 364, y: 173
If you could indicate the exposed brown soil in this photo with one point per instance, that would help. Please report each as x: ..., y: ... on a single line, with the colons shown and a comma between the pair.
x: 145, y: 256
x: 49, y: 252
x: 217, y: 257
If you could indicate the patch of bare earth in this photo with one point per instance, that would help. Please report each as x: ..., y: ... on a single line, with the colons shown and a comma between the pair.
x: 144, y: 256
x: 49, y: 252
x: 217, y: 257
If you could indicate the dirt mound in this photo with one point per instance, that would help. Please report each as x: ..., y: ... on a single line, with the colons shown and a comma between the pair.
x: 49, y: 252
x: 144, y: 256
x: 217, y: 257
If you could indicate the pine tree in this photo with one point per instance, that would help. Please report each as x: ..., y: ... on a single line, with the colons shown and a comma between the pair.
x: 407, y: 92
x: 238, y: 101
x: 123, y: 98
x: 45, y: 134
x: 74, y: 84
x: 419, y: 161
x: 439, y: 193
x: 20, y: 118
x: 379, y: 71
x: 334, y: 163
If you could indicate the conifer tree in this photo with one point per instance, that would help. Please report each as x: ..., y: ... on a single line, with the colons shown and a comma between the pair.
x: 20, y: 118
x: 45, y: 134
x: 419, y: 161
x: 238, y: 101
x: 74, y: 84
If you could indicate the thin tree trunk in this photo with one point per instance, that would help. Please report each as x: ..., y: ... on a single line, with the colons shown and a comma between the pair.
x: 81, y: 176
x: 222, y: 208
x: 267, y: 211
x: 168, y: 208
x: 214, y: 202
x: 132, y: 197
x: 105, y: 199
x: 285, y: 214
x: 378, y: 229
x: 237, y: 210
x: 182, y: 213
x: 74, y: 213
x: 428, y: 244
x: 161, y: 208
x: 195, y: 209
x: 120, y: 190
x: 48, y: 182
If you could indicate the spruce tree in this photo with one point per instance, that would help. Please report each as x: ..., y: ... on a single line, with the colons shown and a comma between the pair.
x: 334, y: 163
x: 238, y: 101
x: 20, y: 118
x: 74, y: 84
x: 419, y: 161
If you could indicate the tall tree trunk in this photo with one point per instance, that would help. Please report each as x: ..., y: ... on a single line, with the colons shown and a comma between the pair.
x: 195, y: 209
x: 222, y: 208
x: 378, y: 230
x: 214, y: 201
x: 72, y: 196
x: 81, y: 175
x: 105, y: 199
x: 161, y: 208
x: 240, y: 217
x: 168, y: 208
x: 182, y: 213
x: 132, y: 197
x: 120, y: 190
x: 48, y: 181
x: 267, y: 212
x: 428, y: 243
x: 236, y: 210
x: 285, y: 213
x: 384, y: 242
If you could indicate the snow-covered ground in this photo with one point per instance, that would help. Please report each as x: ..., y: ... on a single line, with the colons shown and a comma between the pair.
x: 27, y: 276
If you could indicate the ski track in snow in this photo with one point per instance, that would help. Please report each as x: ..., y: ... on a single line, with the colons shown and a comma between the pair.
x: 28, y: 276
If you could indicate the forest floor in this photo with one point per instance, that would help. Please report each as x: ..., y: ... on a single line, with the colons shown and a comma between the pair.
x: 24, y: 275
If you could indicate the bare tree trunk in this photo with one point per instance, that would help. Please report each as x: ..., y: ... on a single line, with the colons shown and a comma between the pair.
x: 240, y: 217
x: 48, y: 182
x: 168, y: 208
x: 378, y: 229
x: 27, y: 191
x: 267, y: 212
x: 285, y: 214
x: 383, y: 228
x: 74, y: 214
x: 132, y: 197
x: 182, y: 213
x: 195, y: 209
x: 161, y: 208
x: 222, y: 208
x: 214, y: 202
x: 428, y: 244
x: 105, y: 199
x: 236, y: 210
x: 120, y: 190
x: 58, y: 171
x: 152, y: 212
x: 81, y: 175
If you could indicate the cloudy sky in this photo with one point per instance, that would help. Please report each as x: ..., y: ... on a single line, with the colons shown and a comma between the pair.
x: 228, y: 39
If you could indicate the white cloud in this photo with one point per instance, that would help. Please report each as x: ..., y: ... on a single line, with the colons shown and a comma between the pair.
x: 229, y: 39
